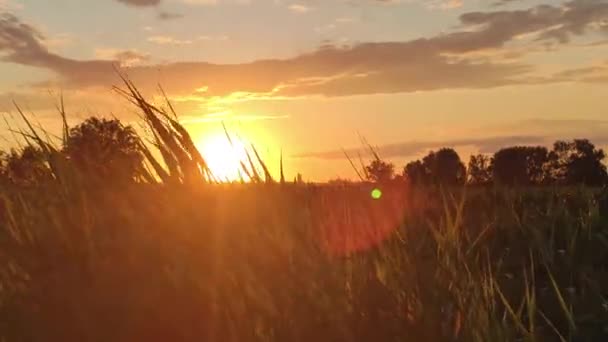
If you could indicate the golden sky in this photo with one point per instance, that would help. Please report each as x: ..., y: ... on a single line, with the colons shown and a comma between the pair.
x: 310, y: 77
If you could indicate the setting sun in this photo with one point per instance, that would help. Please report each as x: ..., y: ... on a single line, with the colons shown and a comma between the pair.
x: 224, y: 156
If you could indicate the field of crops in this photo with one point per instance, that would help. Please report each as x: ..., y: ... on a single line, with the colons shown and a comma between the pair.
x: 170, y: 258
x: 301, y: 263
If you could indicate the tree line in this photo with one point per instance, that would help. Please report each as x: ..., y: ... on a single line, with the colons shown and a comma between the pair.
x: 108, y: 148
x: 571, y: 162
x: 97, y: 146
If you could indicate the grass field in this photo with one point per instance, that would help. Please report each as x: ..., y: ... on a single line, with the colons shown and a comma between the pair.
x: 176, y: 259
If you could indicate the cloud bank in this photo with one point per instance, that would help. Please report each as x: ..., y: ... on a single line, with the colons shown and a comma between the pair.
x: 411, y: 148
x: 541, y: 132
x: 444, y: 61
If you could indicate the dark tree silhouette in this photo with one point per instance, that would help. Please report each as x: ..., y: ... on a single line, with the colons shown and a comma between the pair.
x: 340, y: 181
x: 520, y: 165
x: 416, y: 173
x: 26, y: 167
x: 445, y: 167
x: 577, y: 162
x: 104, y: 147
x: 380, y: 171
x: 480, y: 170
x: 441, y: 167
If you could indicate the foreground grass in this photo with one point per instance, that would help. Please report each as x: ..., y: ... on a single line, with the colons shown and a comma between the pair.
x: 173, y: 256
x: 278, y: 263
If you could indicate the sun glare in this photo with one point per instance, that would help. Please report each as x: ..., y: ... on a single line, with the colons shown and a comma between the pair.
x: 224, y: 156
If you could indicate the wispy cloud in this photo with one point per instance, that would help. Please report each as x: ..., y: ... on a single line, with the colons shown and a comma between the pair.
x: 168, y: 40
x: 227, y: 116
x: 445, y: 4
x: 597, y: 73
x: 541, y: 132
x: 504, y: 2
x: 299, y: 8
x: 165, y: 15
x: 124, y: 57
x: 335, y: 24
x: 140, y: 3
x: 221, y: 37
x: 413, y: 148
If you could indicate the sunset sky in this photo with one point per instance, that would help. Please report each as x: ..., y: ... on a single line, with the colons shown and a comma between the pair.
x: 310, y: 77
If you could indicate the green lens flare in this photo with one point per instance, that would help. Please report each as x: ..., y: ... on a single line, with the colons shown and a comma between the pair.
x: 376, y: 194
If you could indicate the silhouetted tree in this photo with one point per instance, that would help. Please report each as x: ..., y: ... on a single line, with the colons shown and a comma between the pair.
x: 445, y: 167
x: 520, y: 165
x: 104, y: 147
x: 416, y: 173
x: 577, y: 162
x: 441, y: 167
x: 480, y: 170
x: 26, y: 167
x: 602, y: 201
x: 380, y: 171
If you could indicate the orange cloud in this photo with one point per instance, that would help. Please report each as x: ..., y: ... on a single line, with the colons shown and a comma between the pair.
x: 439, y: 62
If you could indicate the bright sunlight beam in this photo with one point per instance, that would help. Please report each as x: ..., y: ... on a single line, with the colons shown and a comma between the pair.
x: 223, y: 157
